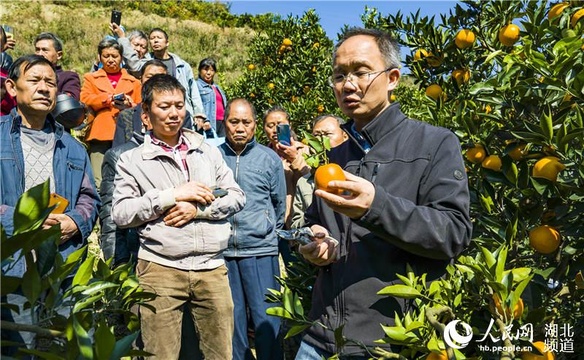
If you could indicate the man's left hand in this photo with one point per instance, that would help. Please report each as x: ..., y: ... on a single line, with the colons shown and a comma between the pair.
x: 180, y: 214
x: 68, y: 226
x: 356, y: 198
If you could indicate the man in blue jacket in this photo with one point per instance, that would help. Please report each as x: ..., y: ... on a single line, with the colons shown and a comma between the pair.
x: 34, y: 148
x: 252, y: 253
x: 405, y: 202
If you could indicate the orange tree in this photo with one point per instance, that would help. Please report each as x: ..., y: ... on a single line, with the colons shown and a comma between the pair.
x: 289, y: 64
x: 508, y: 80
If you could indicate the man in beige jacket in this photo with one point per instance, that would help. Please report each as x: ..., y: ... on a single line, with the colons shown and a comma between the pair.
x: 165, y: 187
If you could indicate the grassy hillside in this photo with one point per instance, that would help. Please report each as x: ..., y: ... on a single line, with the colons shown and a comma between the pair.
x: 82, y: 24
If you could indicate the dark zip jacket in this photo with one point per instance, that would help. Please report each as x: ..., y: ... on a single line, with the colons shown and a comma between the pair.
x: 419, y: 216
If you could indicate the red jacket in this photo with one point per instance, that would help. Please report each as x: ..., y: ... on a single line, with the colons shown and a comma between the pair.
x: 96, y: 93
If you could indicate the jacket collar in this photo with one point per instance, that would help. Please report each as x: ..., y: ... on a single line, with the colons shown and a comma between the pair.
x: 250, y: 145
x: 384, y: 123
x: 194, y: 141
x: 17, y: 122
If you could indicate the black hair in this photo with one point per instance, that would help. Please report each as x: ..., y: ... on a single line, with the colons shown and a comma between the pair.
x: 388, y: 46
x: 57, y: 43
x: 109, y: 43
x: 159, y: 83
x: 158, y: 30
x: 276, y: 108
x: 245, y: 101
x: 152, y: 62
x: 29, y: 61
x: 208, y: 62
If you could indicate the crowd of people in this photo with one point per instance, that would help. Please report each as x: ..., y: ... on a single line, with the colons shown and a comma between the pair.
x: 199, y: 219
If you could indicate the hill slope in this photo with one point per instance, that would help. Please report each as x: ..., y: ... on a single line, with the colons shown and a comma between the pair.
x: 81, y: 25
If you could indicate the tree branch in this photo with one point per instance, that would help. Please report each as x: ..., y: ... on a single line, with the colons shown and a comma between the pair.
x: 8, y: 325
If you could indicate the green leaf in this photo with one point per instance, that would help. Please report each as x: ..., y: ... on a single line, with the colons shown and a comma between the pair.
x: 31, y: 280
x: 501, y: 259
x: 83, y: 339
x: 105, y: 341
x: 84, y: 272
x: 546, y: 125
x: 298, y: 309
x: 288, y: 300
x: 400, y: 291
x: 339, y: 338
x: 123, y: 346
x: 295, y: 330
x: 31, y: 209
x: 488, y: 257
x: 279, y: 312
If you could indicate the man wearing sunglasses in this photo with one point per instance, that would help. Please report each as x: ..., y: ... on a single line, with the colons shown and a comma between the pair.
x: 405, y: 201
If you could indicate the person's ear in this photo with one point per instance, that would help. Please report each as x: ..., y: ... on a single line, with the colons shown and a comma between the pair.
x: 59, y: 55
x: 10, y: 87
x: 145, y: 117
x: 393, y: 79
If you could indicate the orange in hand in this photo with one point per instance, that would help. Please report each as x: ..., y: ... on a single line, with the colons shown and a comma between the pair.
x: 327, y: 173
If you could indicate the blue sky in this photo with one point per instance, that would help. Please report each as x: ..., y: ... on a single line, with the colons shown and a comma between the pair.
x: 334, y: 14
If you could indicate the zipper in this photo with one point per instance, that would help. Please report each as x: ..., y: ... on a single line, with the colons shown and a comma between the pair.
x: 236, y: 175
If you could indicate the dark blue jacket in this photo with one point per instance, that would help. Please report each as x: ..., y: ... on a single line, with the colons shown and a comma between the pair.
x: 259, y: 172
x: 73, y: 180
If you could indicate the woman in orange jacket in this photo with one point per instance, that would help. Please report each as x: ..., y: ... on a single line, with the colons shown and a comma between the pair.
x: 107, y: 91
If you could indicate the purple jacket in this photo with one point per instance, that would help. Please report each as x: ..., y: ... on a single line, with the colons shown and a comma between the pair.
x: 68, y: 82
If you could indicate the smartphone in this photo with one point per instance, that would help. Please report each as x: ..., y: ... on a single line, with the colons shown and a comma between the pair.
x: 58, y: 201
x: 116, y: 17
x: 120, y: 97
x: 218, y: 192
x: 283, y: 131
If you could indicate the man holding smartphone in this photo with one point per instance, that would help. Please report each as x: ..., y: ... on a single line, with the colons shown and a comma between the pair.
x: 252, y: 254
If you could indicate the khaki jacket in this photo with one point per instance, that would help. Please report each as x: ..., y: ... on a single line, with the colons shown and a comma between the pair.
x: 144, y: 190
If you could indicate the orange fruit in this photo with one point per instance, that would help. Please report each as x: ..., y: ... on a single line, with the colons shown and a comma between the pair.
x: 517, y: 309
x: 315, y: 45
x: 518, y: 152
x: 320, y: 108
x: 556, y: 10
x: 548, y: 168
x: 392, y: 98
x: 327, y: 173
x: 509, y: 34
x: 287, y: 42
x: 420, y: 54
x: 461, y: 76
x: 251, y: 67
x: 271, y: 86
x: 434, y: 91
x: 464, y: 39
x: 576, y: 16
x: 476, y: 154
x: 540, y: 345
x: 492, y: 162
x: 544, y: 239
x: 436, y: 356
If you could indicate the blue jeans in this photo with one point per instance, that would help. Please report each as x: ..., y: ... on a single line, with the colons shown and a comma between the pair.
x: 249, y: 279
x: 309, y: 352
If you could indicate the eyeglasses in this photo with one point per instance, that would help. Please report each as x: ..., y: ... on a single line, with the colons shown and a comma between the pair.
x: 361, y: 76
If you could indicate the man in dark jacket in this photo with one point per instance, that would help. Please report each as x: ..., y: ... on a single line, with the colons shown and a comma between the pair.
x: 49, y: 46
x: 405, y: 201
x: 252, y: 253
